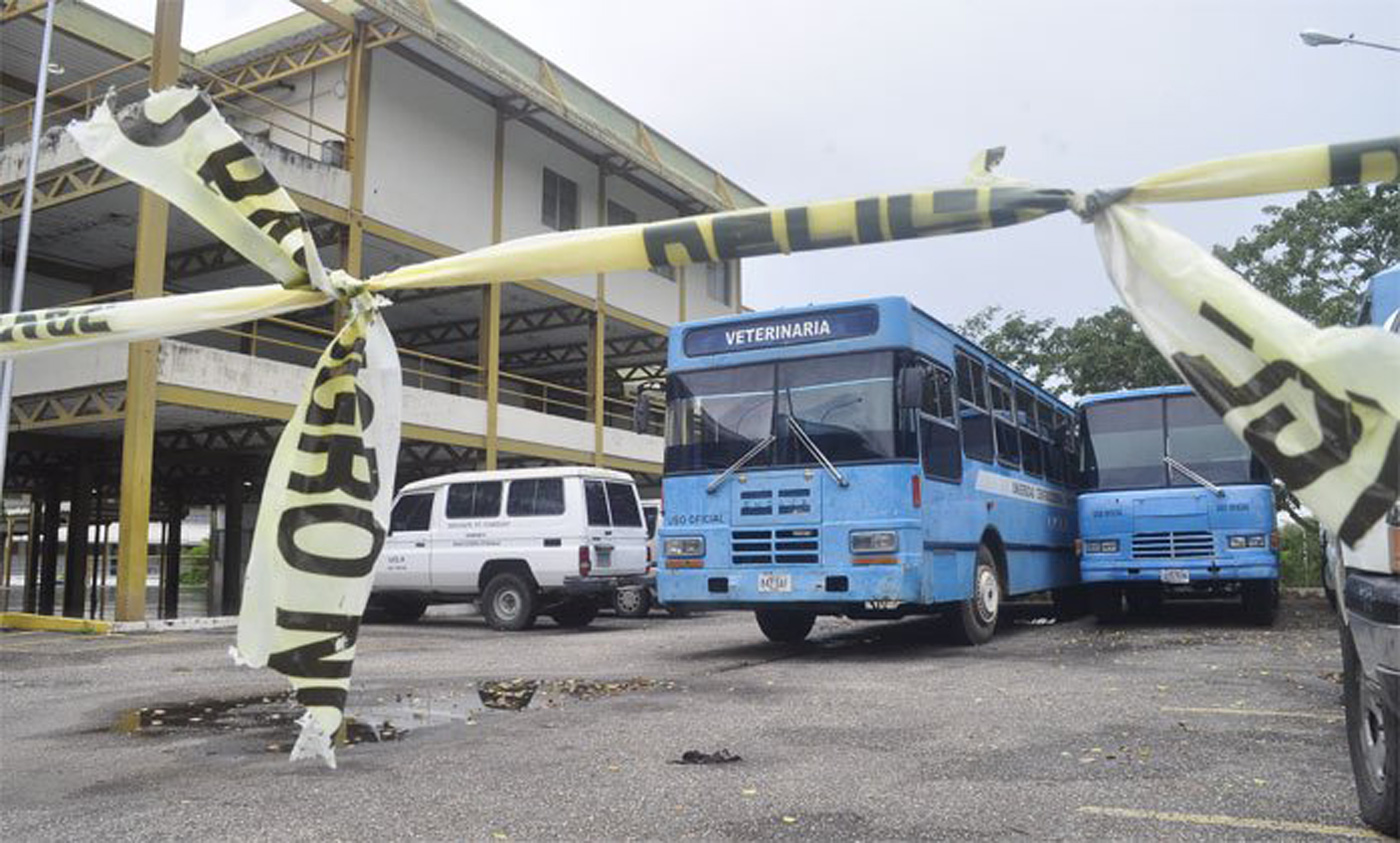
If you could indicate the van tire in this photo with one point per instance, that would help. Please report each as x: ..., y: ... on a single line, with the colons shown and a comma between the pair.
x: 785, y: 626
x: 1260, y: 599
x: 574, y: 614
x: 509, y: 603
x: 632, y: 602
x: 974, y: 620
x: 1372, y: 729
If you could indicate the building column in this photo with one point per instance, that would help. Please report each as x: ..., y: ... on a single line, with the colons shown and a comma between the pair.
x: 231, y: 594
x: 489, y: 334
x: 31, y: 562
x: 76, y: 557
x: 598, y: 336
x: 139, y: 424
x: 681, y: 274
x: 170, y: 598
x: 356, y: 129
x: 48, y: 559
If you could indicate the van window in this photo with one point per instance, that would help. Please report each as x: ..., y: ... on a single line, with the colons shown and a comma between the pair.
x: 597, y: 500
x: 412, y: 512
x: 622, y: 500
x: 540, y: 496
x: 474, y: 500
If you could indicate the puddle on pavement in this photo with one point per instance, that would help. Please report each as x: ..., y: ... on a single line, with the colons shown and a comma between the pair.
x: 378, y: 720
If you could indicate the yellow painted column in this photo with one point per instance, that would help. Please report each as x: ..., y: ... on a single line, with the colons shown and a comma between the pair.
x: 681, y: 274
x: 597, y: 340
x: 489, y: 333
x: 139, y: 424
x: 738, y: 286
x: 356, y: 129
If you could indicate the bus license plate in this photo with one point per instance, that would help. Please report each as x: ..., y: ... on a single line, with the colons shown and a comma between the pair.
x: 1176, y: 576
x: 775, y: 583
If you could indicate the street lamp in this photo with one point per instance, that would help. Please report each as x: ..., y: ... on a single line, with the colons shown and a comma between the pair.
x: 1313, y: 38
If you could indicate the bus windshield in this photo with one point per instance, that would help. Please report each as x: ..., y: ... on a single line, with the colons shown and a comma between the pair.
x: 1125, y: 442
x: 845, y: 404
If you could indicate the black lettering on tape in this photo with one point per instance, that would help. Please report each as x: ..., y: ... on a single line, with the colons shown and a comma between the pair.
x: 91, y: 323
x: 745, y: 235
x: 216, y: 170
x: 800, y: 233
x: 1345, y: 158
x: 341, y: 453
x: 344, y: 516
x: 868, y: 220
x: 327, y: 697
x: 310, y: 661
x: 1377, y: 498
x: 143, y: 131
x: 685, y: 233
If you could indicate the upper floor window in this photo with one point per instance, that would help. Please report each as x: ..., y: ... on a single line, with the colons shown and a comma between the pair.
x: 619, y: 214
x: 560, y: 207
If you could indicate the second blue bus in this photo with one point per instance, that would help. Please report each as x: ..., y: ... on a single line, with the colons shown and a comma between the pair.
x: 1172, y: 502
x: 861, y: 460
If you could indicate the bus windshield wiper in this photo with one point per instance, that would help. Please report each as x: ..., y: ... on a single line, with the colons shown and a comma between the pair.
x: 816, y: 452
x: 1173, y: 462
x: 739, y: 463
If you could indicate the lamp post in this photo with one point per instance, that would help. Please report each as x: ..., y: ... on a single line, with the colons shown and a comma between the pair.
x: 1313, y: 38
x: 7, y: 369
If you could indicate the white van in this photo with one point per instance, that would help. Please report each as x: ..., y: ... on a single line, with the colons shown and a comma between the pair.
x: 520, y: 542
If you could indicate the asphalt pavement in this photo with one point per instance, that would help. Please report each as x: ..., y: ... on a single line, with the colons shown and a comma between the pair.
x: 1188, y: 726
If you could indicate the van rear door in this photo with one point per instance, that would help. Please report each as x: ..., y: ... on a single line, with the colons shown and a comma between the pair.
x: 629, y: 531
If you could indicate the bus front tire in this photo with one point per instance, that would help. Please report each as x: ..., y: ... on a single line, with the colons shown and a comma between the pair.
x: 785, y: 626
x: 975, y: 620
x: 1107, y: 603
x: 509, y: 603
x: 1260, y: 599
x: 1372, y: 729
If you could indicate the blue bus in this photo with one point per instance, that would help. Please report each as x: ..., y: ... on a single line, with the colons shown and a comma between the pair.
x: 862, y: 460
x: 1171, y: 502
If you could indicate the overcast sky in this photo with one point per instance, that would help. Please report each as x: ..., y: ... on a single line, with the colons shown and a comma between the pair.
x: 809, y: 100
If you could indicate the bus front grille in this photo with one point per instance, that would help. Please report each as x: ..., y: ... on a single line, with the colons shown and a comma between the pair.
x: 769, y: 547
x: 1174, y: 545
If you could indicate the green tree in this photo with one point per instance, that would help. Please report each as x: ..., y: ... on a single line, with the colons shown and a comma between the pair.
x: 1098, y: 353
x: 1315, y: 256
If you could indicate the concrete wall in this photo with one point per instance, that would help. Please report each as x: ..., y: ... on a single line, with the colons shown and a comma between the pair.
x: 437, y: 179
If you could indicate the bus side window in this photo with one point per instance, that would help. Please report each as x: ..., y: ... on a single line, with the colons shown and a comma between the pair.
x: 1054, y: 448
x: 1004, y: 414
x: 972, y: 409
x: 938, y: 427
x: 1031, y: 457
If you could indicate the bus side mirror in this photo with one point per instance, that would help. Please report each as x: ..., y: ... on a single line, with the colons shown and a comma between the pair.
x: 911, y: 388
x: 641, y: 412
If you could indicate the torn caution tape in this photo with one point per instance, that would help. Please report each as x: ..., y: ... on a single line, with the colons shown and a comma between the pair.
x: 1318, y: 406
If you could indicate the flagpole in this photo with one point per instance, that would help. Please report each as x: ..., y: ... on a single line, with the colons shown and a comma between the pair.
x: 7, y: 372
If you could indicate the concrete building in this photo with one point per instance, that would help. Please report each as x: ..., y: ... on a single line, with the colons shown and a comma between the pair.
x: 406, y: 130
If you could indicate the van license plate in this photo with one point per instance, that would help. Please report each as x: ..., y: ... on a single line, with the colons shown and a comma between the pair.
x: 775, y: 583
x: 1176, y: 576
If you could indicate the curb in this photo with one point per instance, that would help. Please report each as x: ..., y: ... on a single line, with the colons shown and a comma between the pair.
x: 54, y: 623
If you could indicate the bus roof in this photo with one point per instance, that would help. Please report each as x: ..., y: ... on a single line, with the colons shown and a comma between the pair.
x: 1140, y: 392
x: 897, y: 331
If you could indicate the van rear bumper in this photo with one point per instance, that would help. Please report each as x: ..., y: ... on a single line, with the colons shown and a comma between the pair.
x: 602, y: 586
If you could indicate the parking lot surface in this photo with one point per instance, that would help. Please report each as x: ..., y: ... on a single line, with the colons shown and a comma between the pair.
x: 1188, y: 726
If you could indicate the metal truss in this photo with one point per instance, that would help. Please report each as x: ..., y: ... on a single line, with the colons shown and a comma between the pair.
x: 419, y: 459
x: 218, y: 255
x: 545, y: 356
x: 245, y: 438
x: 18, y: 8
x: 464, y: 331
x: 290, y: 61
x: 65, y: 409
x: 75, y: 181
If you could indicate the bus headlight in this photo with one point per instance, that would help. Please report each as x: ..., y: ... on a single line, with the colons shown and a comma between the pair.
x: 875, y: 541
x: 1105, y: 546
x: 1237, y: 543
x: 1242, y: 542
x: 685, y: 546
